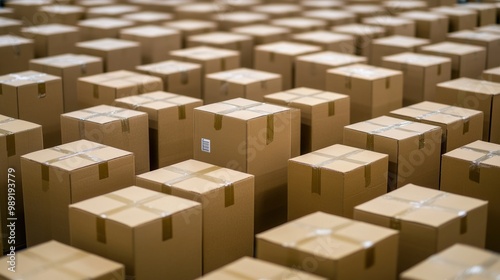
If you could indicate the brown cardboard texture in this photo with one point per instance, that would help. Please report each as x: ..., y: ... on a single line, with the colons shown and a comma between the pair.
x: 329, y: 41
x: 393, y: 25
x: 430, y: 26
x: 363, y: 34
x: 16, y: 53
x: 459, y: 19
x: 116, y: 54
x: 189, y: 27
x: 394, y: 44
x: 300, y: 24
x: 492, y: 75
x: 263, y: 33
x: 489, y: 41
x: 102, y: 27
x: 52, y: 39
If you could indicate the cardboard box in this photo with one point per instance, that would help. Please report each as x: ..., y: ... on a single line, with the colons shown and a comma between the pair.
x: 242, y: 5
x: 458, y: 260
x: 254, y: 138
x: 227, y: 21
x: 241, y: 82
x: 69, y: 67
x: 148, y: 17
x: 323, y: 115
x: 489, y: 41
x: 460, y: 126
x: 95, y: 3
x: 170, y: 125
x: 459, y: 19
x: 116, y: 127
x: 363, y: 34
x: 393, y: 45
x: 414, y: 149
x: 263, y: 34
x: 428, y: 221
x: 190, y: 27
x: 315, y: 5
x: 226, y: 40
x: 486, y: 12
x: 477, y: 95
x: 393, y: 25
x: 111, y: 11
x: 103, y: 27
x: 10, y: 26
x: 156, y: 236
x: 35, y: 97
x: 364, y: 10
x: 160, y: 6
x: 334, y: 180
x: 492, y: 75
x: 116, y: 54
x: 63, y: 14
x: 203, y: 10
x: 54, y: 260
x: 7, y: 12
x: 27, y: 9
x: 106, y: 87
x: 395, y: 7
x: 17, y: 137
x: 466, y: 60
x: 430, y: 26
x: 278, y: 10
x: 332, y: 17
x: 56, y: 177
x: 16, y: 53
x: 473, y: 170
x: 180, y: 77
x: 53, y: 39
x: 155, y: 41
x: 336, y: 247
x: 421, y: 74
x: 300, y: 24
x: 279, y: 57
x: 328, y: 41
x: 227, y: 203
x: 255, y: 269
x: 211, y: 59
x: 374, y: 91
x: 489, y: 28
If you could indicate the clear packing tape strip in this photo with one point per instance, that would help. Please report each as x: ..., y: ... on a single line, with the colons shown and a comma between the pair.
x: 331, y: 103
x: 475, y: 167
x: 139, y: 85
x: 35, y: 78
x: 363, y: 72
x: 10, y: 138
x: 400, y: 126
x: 124, y: 121
x: 465, y: 272
x: 180, y: 107
x: 443, y: 112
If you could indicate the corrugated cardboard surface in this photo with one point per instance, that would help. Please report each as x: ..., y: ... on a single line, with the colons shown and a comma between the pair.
x: 490, y: 41
x: 328, y: 41
x: 53, y: 39
x: 117, y: 54
x: 263, y: 33
x: 492, y: 75
x: 393, y: 45
x: 430, y: 26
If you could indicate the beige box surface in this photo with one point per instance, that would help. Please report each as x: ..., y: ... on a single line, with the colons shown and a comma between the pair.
x: 421, y: 74
x: 460, y: 126
x: 393, y: 25
x: 492, y: 75
x: 333, y: 17
x: 430, y: 26
x: 428, y: 220
x: 200, y: 10
x: 473, y: 170
x: 278, y: 10
x: 393, y: 45
x: 17, y: 137
x: 170, y: 125
x: 115, y: 11
x: 323, y: 115
x: 54, y: 260
x: 154, y: 235
x: 363, y: 34
x: 16, y: 53
x: 35, y: 97
x: 477, y: 95
x: 27, y: 9
x: 327, y: 40
x: 459, y: 19
x: 487, y: 40
x: 52, y: 39
x: 395, y: 7
x: 149, y: 17
x: 263, y: 34
x: 63, y: 14
x: 486, y: 12
x: 339, y: 248
x: 227, y: 203
x: 466, y: 60
x: 10, y: 26
x: 116, y: 54
x: 211, y: 59
x: 56, y: 177
x: 229, y: 20
x: 364, y: 10
x: 493, y: 28
x: 334, y: 180
x: 300, y: 24
x: 189, y: 27
x: 314, y: 5
x: 69, y: 67
x: 414, y: 149
x: 242, y: 82
x: 374, y: 91
x: 120, y: 128
x: 102, y: 27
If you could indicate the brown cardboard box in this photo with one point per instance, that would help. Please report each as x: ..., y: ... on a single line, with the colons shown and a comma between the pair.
x: 374, y: 91
x: 393, y: 25
x: 155, y: 41
x: 190, y: 27
x: 170, y: 125
x: 393, y: 45
x: 428, y: 220
x: 103, y: 27
x: 489, y: 41
x: 111, y: 11
x: 494, y: 28
x: 10, y: 26
x: 300, y: 24
x: 430, y: 26
x: 251, y: 137
x: 492, y: 75
x: 327, y: 40
x: 241, y: 82
x: 56, y: 177
x: 324, y: 4
x: 16, y: 53
x: 459, y: 19
x: 332, y: 247
x: 395, y: 7
x: 242, y: 5
x: 477, y: 95
x: 52, y: 39
x: 116, y: 54
x: 54, y: 260
x: 106, y: 87
x: 421, y: 74
x: 35, y: 97
x: 255, y: 269
x: 156, y: 236
x: 263, y: 34
x: 26, y: 10
x: 226, y: 40
x: 364, y: 10
x: 466, y: 60
x: 227, y: 21
x: 279, y: 57
x: 335, y: 180
x: 69, y: 67
x: 177, y: 76
x: 414, y: 149
x: 200, y: 10
x: 94, y: 3
x: 323, y: 115
x: 457, y: 261
x: 17, y: 137
x: 161, y: 6
x: 148, y: 17
x: 486, y: 12
x: 333, y: 17
x: 63, y: 14
x: 473, y: 170
x: 460, y: 126
x: 7, y: 12
x: 363, y: 34
x: 227, y: 203
x: 116, y: 127
x: 278, y: 10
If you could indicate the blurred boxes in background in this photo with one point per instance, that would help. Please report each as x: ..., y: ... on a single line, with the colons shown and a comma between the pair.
x: 393, y: 45
x: 26, y: 10
x: 393, y: 25
x: 459, y: 19
x: 328, y: 41
x: 489, y: 41
x: 263, y: 34
x: 364, y: 10
x: 430, y: 26
x: 190, y: 27
x: 363, y: 34
x: 395, y: 7
x: 299, y: 24
x: 278, y: 10
x: 53, y: 39
x: 199, y: 10
x: 16, y: 53
x: 9, y: 26
x: 332, y: 17
x: 102, y: 27
x: 113, y: 11
x: 63, y: 14
x: 486, y: 12
x: 116, y: 54
x: 492, y: 75
x: 229, y: 20
x: 148, y: 17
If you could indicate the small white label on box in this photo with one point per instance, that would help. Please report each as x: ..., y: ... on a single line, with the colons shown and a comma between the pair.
x: 205, y: 145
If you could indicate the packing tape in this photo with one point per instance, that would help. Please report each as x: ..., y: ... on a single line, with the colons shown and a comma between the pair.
x: 364, y: 72
x: 443, y: 111
x: 331, y: 103
x: 475, y: 167
x: 370, y: 139
x: 181, y: 108
x: 242, y: 74
x: 395, y: 220
x: 56, y: 264
x: 125, y: 125
x: 10, y: 138
x: 74, y: 60
x: 95, y: 85
x: 465, y: 271
x: 41, y: 84
x: 202, y: 174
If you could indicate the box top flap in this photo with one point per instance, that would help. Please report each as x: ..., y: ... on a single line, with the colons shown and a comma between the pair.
x: 359, y: 29
x: 329, y: 14
x: 277, y: 8
x: 363, y: 71
x: 190, y: 24
x: 50, y: 29
x: 472, y: 85
x: 453, y: 11
x: 204, y: 53
x: 243, y: 76
x: 148, y: 16
x: 27, y: 78
x: 149, y: 31
x: 260, y: 30
x: 10, y: 125
x: 323, y: 36
x: 453, y: 48
x: 436, y: 112
x: 168, y: 67
x: 108, y: 44
x: 332, y: 58
x: 241, y: 108
x: 104, y: 114
x: 387, y: 21
x: 220, y: 37
x: 241, y: 16
x: 417, y: 59
x: 288, y: 48
x: 474, y: 35
x: 478, y: 152
x: 401, y: 41
x: 63, y: 9
x: 306, y: 96
x: 158, y: 100
x: 423, y: 16
x: 298, y: 22
x: 105, y: 23
x: 67, y: 60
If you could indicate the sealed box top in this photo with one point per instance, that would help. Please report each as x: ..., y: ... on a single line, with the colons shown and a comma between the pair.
x: 299, y: 22
x: 241, y: 17
x: 332, y: 58
x: 103, y: 114
x: 453, y: 11
x: 63, y: 9
x: 201, y: 8
x: 422, y: 16
x: 261, y: 30
x: 27, y: 78
x: 204, y: 53
x: 148, y: 16
x: 242, y: 108
x: 50, y: 29
x: 191, y: 24
x: 359, y: 29
x: 10, y: 40
x: 323, y: 36
x: 401, y: 41
x: 105, y: 23
x: 243, y: 76
x: 168, y: 67
x: 478, y: 153
x: 418, y: 59
x: 475, y: 36
x: 157, y: 100
x: 309, y: 232
x: 219, y: 37
x: 494, y: 71
x: 288, y: 48
x: 120, y: 78
x: 108, y: 44
x: 363, y: 71
x: 472, y: 85
x: 149, y: 31
x: 9, y: 22
x: 67, y: 60
x: 113, y: 10
x: 277, y: 8
x: 452, y: 48
x: 387, y: 21
x: 306, y: 96
x: 10, y: 125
